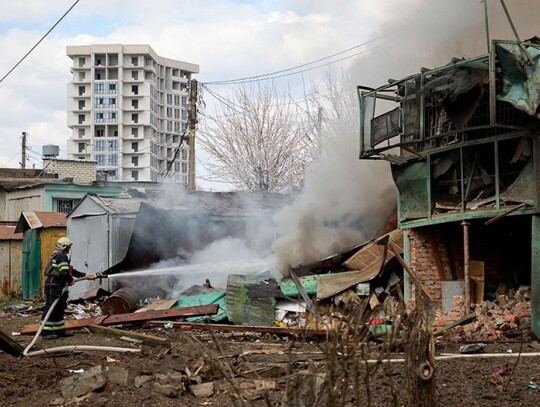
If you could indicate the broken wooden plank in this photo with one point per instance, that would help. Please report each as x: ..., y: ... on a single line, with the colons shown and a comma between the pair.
x: 145, y: 339
x: 508, y: 212
x: 158, y: 305
x: 240, y: 328
x: 120, y: 319
x: 411, y: 274
x: 9, y: 346
x: 459, y: 322
x: 436, y: 256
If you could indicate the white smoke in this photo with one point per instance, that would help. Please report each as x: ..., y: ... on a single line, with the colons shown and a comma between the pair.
x: 345, y: 200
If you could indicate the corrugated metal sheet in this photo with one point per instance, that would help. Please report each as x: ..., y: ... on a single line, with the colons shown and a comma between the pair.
x: 47, y: 241
x: 7, y: 231
x: 289, y: 289
x: 35, y: 220
x: 521, y: 82
x: 331, y: 284
x: 205, y: 298
x: 251, y: 300
x: 370, y: 258
x: 10, y: 268
x: 117, y: 205
x: 31, y: 267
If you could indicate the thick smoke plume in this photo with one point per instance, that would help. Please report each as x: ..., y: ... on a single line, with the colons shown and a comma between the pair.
x: 344, y: 201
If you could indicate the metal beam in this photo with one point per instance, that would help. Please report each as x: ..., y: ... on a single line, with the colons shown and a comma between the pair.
x: 535, y: 275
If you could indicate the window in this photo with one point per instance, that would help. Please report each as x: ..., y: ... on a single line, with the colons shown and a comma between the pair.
x: 176, y: 127
x: 135, y: 104
x: 135, y: 161
x: 112, y: 102
x: 65, y: 205
x: 135, y: 146
x: 169, y: 99
x: 99, y: 102
x: 81, y: 133
x: 100, y: 145
x: 82, y: 147
x: 184, y: 168
x: 135, y: 75
x: 113, y: 145
x: 98, y: 76
x: 81, y: 118
x: 99, y: 87
x: 135, y: 118
x: 82, y: 76
x: 135, y: 175
x: 112, y: 118
x: 98, y: 61
x: 135, y: 61
x: 99, y: 117
x: 176, y: 100
x: 82, y: 90
x: 135, y: 89
x: 135, y: 132
x: 169, y: 125
x: 184, y: 155
x: 100, y: 132
x: 82, y: 62
x: 184, y: 100
x: 113, y: 160
x: 100, y: 159
x: 184, y: 114
x: 177, y: 114
x: 111, y: 174
x: 177, y: 167
x: 169, y: 112
x: 112, y: 87
x: 82, y: 104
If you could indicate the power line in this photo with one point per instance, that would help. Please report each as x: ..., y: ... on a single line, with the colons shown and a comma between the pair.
x: 268, y: 78
x: 42, y: 38
x: 12, y: 158
x: 255, y: 78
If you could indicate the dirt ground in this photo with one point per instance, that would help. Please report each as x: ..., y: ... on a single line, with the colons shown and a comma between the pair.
x: 265, y: 369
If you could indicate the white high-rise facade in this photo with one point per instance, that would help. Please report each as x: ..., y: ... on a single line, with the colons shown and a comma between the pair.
x: 128, y: 111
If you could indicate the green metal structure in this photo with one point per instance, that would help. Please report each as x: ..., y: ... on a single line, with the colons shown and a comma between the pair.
x: 463, y: 142
x: 31, y: 279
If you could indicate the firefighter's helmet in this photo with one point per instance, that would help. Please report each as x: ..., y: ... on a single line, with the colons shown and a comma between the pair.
x: 63, y: 243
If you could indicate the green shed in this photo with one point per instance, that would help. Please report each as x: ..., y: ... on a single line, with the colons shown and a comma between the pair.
x: 40, y: 232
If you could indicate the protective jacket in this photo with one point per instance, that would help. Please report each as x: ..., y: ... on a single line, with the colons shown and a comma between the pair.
x: 59, y: 274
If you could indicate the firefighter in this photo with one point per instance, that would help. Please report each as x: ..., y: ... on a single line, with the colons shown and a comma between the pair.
x: 59, y: 274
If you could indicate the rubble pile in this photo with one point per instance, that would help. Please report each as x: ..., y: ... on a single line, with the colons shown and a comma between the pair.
x: 506, y: 318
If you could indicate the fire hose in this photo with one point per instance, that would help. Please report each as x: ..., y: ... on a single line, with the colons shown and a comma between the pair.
x: 53, y: 305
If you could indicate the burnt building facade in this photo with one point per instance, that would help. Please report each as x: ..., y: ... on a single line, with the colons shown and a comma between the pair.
x: 463, y: 141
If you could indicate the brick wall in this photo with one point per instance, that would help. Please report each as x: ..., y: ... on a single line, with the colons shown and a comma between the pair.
x: 504, y: 249
x: 82, y: 171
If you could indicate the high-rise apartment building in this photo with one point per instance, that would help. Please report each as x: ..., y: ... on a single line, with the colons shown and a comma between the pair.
x: 128, y: 111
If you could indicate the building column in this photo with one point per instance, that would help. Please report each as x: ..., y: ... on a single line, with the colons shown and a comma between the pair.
x: 407, y: 258
x: 535, y: 275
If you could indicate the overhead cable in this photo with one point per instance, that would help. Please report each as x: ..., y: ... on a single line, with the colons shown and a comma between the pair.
x: 37, y: 43
x: 256, y: 78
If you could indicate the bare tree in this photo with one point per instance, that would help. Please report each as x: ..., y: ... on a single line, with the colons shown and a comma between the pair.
x: 260, y: 141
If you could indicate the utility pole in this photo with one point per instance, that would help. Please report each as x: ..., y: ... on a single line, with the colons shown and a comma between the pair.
x: 23, y: 150
x: 192, y: 118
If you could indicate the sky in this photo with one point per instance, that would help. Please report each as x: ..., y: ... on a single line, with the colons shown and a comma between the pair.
x: 231, y: 39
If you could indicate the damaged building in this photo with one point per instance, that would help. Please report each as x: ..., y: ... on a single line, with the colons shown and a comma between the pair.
x: 463, y: 142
